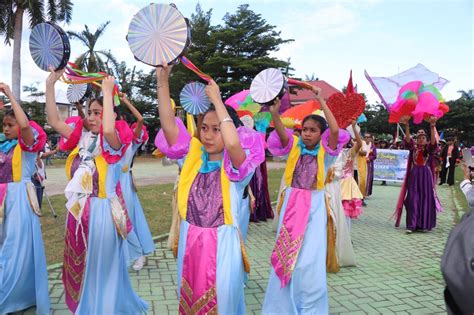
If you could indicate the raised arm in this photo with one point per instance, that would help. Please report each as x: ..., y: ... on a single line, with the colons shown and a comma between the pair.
x: 358, y: 139
x: 279, y: 127
x: 80, y: 110
x: 433, y: 131
x: 332, y: 123
x: 227, y: 127
x: 108, y: 114
x: 22, y: 120
x: 138, y: 129
x: 52, y: 113
x: 167, y: 119
x: 407, y: 131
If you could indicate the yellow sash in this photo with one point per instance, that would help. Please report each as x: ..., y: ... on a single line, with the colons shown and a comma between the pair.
x: 16, y: 163
x: 100, y: 164
x: 190, y: 169
x: 293, y: 159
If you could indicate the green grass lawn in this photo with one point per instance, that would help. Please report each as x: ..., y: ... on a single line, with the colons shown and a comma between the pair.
x: 458, y: 194
x: 156, y: 203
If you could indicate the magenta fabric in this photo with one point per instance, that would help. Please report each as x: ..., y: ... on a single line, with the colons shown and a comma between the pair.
x: 305, y: 174
x: 125, y: 135
x: 343, y: 137
x: 199, y: 271
x: 6, y: 175
x: 205, y: 205
x: 251, y: 142
x: 352, y: 208
x: 3, y: 192
x: 177, y: 150
x: 274, y: 144
x: 291, y: 235
x: 387, y: 88
x: 75, y: 252
x: 144, y: 135
x: 39, y: 135
x: 77, y: 124
x: 237, y: 99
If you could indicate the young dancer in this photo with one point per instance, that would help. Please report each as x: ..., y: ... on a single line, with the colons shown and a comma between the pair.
x: 23, y: 274
x: 95, y: 272
x: 215, y: 169
x: 297, y: 281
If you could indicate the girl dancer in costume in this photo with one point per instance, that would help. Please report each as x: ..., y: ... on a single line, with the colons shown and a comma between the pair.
x: 23, y: 274
x: 419, y: 187
x: 371, y: 156
x: 345, y: 199
x: 95, y: 273
x: 214, y: 173
x: 140, y: 240
x: 297, y: 281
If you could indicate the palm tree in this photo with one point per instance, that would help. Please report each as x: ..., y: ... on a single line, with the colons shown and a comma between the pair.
x: 11, y: 26
x: 92, y: 60
x: 467, y: 95
x: 311, y: 77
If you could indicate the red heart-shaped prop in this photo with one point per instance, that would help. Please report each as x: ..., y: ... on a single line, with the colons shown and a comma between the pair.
x: 345, y: 109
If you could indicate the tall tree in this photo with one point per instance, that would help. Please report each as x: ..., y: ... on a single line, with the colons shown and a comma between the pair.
x: 200, y: 52
x: 244, y: 45
x: 11, y: 26
x: 94, y: 60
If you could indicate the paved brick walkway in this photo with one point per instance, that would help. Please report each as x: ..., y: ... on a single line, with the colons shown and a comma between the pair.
x: 396, y: 272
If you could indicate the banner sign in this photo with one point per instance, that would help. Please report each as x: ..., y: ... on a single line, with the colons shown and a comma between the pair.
x: 390, y: 165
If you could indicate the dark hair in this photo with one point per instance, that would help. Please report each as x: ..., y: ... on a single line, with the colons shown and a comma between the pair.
x: 11, y: 113
x: 323, y: 125
x: 100, y: 100
x: 232, y: 113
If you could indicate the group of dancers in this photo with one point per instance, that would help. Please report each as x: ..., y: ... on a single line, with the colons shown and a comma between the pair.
x: 106, y: 230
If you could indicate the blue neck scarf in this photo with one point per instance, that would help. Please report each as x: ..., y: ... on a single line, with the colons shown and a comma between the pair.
x: 6, y: 146
x: 305, y: 151
x: 208, y: 166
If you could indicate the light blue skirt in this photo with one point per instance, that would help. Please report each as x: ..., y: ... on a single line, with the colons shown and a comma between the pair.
x: 229, y: 272
x: 140, y: 241
x: 106, y: 287
x: 23, y: 274
x: 306, y: 293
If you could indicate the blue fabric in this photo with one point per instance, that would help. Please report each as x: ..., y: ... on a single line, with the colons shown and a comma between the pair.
x: 23, y: 274
x: 306, y: 293
x: 208, y: 166
x: 107, y: 288
x: 230, y: 270
x: 139, y: 239
x: 6, y: 146
x: 244, y: 217
x: 304, y: 150
x: 108, y: 148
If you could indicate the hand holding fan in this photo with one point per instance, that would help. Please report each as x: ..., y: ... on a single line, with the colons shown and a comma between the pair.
x: 49, y: 46
x: 160, y: 34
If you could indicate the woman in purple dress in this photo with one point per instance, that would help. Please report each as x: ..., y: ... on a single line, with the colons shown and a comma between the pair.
x: 420, y: 200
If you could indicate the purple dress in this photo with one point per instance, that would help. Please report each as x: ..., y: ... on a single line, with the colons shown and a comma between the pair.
x: 420, y: 201
x: 259, y: 186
